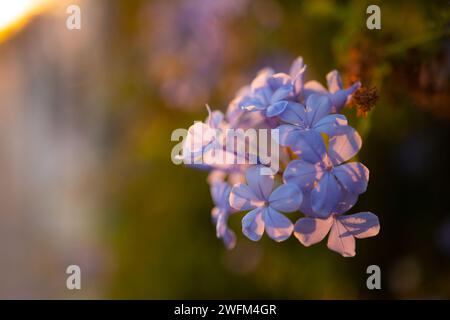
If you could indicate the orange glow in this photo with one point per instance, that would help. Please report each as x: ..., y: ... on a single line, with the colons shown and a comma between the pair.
x: 14, y: 14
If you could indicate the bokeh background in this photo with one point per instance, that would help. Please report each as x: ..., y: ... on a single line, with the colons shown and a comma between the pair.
x: 85, y: 123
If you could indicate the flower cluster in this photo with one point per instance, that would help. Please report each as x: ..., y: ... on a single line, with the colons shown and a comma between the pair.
x: 316, y: 175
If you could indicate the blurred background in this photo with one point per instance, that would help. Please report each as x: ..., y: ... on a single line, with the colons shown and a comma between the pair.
x: 85, y: 123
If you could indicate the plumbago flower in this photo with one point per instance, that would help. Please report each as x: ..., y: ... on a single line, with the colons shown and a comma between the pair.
x: 220, y: 193
x: 336, y: 92
x: 257, y: 195
x: 344, y: 230
x: 324, y: 174
x: 203, y: 137
x: 240, y: 118
x: 205, y: 144
x: 319, y: 178
x: 272, y: 93
x: 304, y: 123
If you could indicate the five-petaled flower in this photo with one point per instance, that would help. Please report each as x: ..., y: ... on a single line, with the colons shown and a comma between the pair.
x: 309, y: 120
x: 272, y: 93
x: 257, y: 194
x: 324, y: 174
x: 336, y: 91
x: 344, y: 230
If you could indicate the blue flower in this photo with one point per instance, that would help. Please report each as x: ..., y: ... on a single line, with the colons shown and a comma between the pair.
x: 220, y: 193
x: 322, y: 173
x: 336, y: 92
x: 205, y: 144
x: 271, y: 93
x: 297, y: 73
x: 265, y: 204
x: 240, y: 118
x: 342, y: 229
x: 312, y: 119
x: 318, y: 179
x: 202, y: 139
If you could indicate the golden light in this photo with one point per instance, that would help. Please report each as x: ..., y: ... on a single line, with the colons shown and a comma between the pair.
x: 14, y: 14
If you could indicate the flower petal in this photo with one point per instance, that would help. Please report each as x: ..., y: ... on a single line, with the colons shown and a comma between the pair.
x: 347, y: 201
x: 306, y: 207
x: 282, y: 92
x: 234, y: 112
x: 332, y: 124
x: 278, y: 227
x: 218, y: 156
x: 260, y: 184
x: 286, y: 198
x: 224, y: 232
x: 361, y: 225
x: 297, y: 73
x: 229, y: 239
x: 253, y: 224
x: 294, y: 114
x: 343, y: 147
x: 220, y: 193
x: 296, y: 67
x: 199, y: 136
x: 288, y: 135
x: 353, y: 176
x: 340, y: 241
x: 317, y: 107
x: 340, y: 97
x: 250, y: 120
x: 276, y: 108
x: 309, y: 146
x: 216, y: 176
x: 261, y: 78
x: 252, y: 103
x: 334, y: 81
x: 310, y: 231
x: 303, y: 173
x: 312, y: 87
x: 264, y: 93
x: 215, y: 212
x: 215, y: 119
x: 242, y: 197
x: 278, y: 80
x: 221, y: 217
x: 326, y: 195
